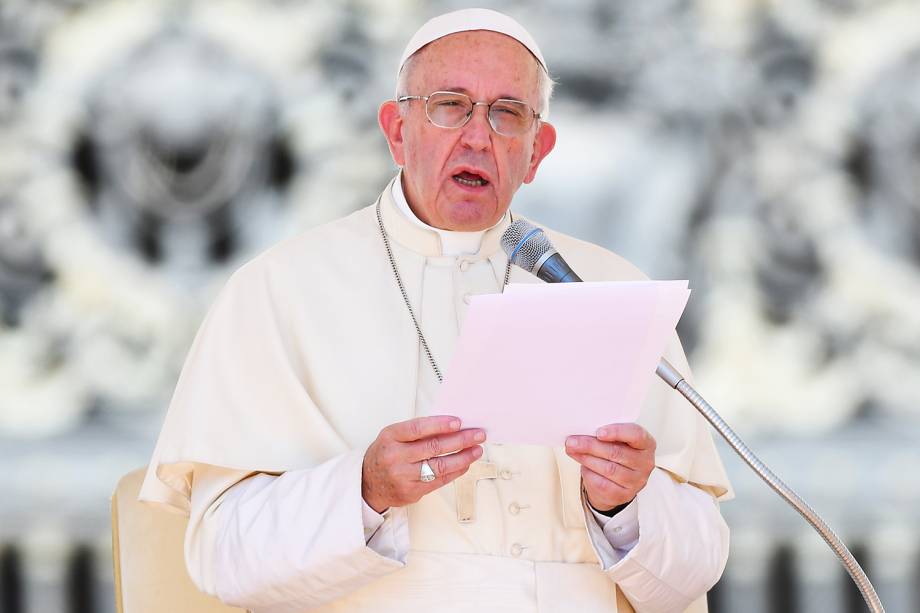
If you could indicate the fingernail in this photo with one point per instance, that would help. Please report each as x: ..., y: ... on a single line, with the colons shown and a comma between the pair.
x: 602, y: 432
x: 477, y: 452
x: 571, y: 442
x: 455, y: 424
x: 479, y: 437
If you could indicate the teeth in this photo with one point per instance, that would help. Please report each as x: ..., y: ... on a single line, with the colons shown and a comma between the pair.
x: 470, y: 182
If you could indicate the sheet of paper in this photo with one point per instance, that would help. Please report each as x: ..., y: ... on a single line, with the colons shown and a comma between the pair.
x: 543, y: 361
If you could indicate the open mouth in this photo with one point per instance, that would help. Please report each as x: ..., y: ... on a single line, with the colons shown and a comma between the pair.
x: 470, y: 179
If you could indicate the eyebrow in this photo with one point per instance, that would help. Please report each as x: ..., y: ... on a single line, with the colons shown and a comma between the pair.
x: 463, y: 90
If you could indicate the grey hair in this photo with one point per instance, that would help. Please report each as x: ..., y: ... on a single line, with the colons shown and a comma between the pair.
x: 545, y: 85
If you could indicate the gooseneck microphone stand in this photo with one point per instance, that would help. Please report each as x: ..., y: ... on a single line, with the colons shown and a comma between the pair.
x: 674, y: 379
x: 528, y: 246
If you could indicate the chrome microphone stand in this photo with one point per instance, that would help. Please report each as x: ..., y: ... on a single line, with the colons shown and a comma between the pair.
x: 527, y: 246
x: 674, y: 379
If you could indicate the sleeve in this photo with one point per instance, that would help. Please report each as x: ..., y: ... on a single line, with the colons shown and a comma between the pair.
x: 620, y: 531
x: 243, y: 398
x: 681, y: 550
x: 292, y: 541
x: 387, y: 534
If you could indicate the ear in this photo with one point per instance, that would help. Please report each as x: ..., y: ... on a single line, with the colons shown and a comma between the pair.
x: 543, y: 143
x: 391, y: 123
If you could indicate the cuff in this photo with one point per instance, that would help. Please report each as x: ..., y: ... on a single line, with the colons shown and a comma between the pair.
x: 372, y: 520
x: 612, y: 537
x: 391, y: 539
x: 621, y: 530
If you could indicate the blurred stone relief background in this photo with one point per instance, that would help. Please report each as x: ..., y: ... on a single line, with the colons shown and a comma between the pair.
x: 767, y: 151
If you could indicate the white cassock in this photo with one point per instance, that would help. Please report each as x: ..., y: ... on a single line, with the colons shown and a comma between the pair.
x: 309, y: 351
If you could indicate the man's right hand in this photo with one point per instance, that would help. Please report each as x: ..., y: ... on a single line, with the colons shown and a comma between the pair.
x: 392, y: 463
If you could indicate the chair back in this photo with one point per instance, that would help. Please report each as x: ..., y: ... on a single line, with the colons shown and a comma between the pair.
x: 149, y: 559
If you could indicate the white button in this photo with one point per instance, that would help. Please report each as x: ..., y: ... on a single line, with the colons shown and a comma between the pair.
x: 466, y: 298
x: 514, y: 508
x: 617, y: 529
x: 505, y: 474
x: 464, y: 265
x: 517, y: 550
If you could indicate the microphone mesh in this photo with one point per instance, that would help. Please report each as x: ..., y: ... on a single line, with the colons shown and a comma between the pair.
x: 535, y: 246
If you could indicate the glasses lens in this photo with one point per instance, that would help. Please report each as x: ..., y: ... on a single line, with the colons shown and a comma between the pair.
x: 510, y: 117
x: 448, y: 110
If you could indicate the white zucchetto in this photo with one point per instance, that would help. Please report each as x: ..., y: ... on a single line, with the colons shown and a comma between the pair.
x: 466, y: 20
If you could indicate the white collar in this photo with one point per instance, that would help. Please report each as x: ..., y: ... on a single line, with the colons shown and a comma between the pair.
x: 453, y: 243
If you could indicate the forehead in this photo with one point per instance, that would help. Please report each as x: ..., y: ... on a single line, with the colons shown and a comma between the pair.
x: 477, y: 60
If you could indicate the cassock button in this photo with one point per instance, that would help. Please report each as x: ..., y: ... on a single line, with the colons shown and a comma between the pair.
x: 516, y: 550
x: 514, y: 508
x: 505, y: 474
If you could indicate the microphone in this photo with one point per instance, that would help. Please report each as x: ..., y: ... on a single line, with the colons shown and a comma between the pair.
x: 527, y: 246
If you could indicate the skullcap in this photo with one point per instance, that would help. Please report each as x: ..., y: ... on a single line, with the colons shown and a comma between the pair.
x: 470, y: 19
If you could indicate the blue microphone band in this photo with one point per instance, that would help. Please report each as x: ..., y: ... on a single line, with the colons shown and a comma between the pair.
x: 522, y: 241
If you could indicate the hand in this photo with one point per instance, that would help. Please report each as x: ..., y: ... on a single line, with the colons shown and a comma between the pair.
x: 392, y: 463
x: 615, y: 464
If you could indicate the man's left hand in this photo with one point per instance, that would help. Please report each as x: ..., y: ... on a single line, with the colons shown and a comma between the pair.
x: 615, y: 464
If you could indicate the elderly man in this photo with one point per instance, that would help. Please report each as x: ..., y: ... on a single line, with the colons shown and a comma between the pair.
x: 299, y: 441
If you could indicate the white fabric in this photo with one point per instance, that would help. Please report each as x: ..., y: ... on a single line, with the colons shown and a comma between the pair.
x: 621, y: 531
x: 387, y: 534
x: 255, y: 550
x: 465, y: 20
x: 683, y: 541
x: 271, y: 362
x: 306, y: 354
x: 372, y: 520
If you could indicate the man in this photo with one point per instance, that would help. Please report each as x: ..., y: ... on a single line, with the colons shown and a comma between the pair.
x: 299, y: 441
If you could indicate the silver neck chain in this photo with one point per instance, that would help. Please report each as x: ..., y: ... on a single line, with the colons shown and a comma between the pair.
x: 405, y: 296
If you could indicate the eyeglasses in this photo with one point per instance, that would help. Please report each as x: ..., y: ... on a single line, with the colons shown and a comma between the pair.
x: 453, y: 110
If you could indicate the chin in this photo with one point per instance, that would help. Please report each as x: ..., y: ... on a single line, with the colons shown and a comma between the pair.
x: 470, y: 217
x: 470, y: 223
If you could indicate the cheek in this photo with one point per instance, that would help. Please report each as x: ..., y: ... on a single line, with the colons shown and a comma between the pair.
x: 428, y: 152
x: 517, y: 161
x: 418, y: 156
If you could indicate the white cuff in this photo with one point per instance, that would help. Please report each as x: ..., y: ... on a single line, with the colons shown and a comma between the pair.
x: 386, y: 533
x: 608, y: 551
x: 372, y: 520
x: 681, y: 551
x: 622, y: 529
x: 391, y: 539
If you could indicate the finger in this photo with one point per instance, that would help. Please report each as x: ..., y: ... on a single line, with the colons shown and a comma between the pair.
x: 443, y: 480
x: 620, y: 453
x: 446, y: 464
x: 605, y: 488
x: 619, y: 474
x: 423, y: 427
x: 633, y: 435
x: 442, y: 444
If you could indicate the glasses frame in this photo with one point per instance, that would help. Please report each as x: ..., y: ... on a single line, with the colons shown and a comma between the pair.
x: 535, y: 115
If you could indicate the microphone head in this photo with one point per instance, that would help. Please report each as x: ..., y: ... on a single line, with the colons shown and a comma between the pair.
x: 526, y: 245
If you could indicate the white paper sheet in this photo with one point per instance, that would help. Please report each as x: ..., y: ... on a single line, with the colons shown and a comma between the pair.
x: 543, y: 361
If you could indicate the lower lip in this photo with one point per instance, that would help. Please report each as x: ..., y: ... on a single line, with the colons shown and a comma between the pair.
x: 475, y: 189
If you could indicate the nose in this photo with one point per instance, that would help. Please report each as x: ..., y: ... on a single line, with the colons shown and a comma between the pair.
x: 477, y: 133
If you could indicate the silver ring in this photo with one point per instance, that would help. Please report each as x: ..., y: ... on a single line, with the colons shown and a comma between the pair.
x: 426, y: 474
